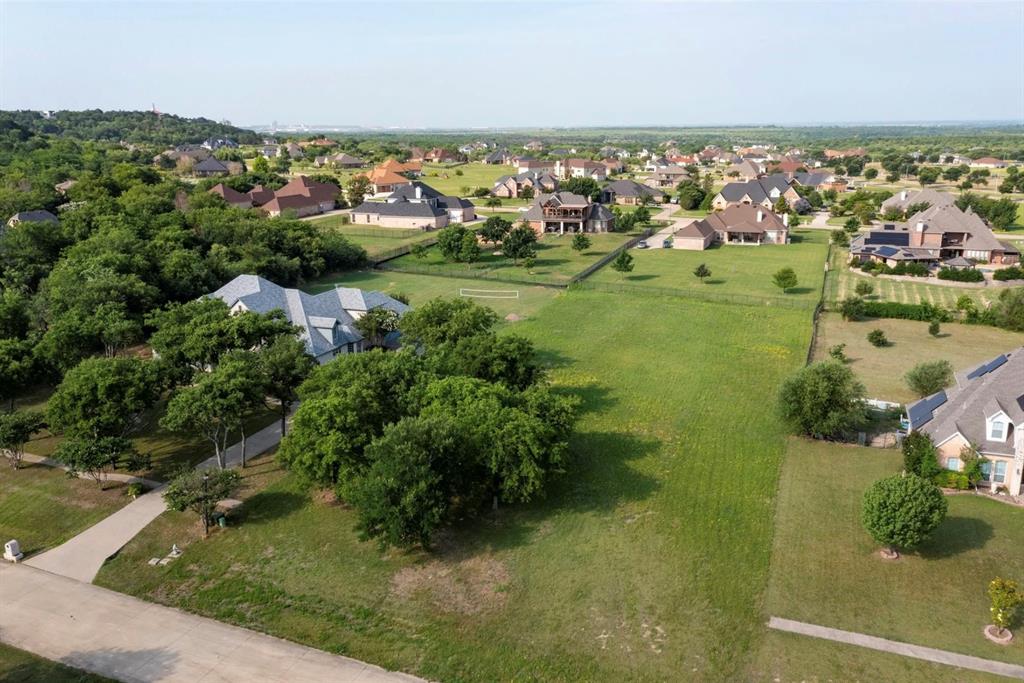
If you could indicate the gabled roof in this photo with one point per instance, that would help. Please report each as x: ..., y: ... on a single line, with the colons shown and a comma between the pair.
x: 37, y: 216
x: 993, y: 387
x: 758, y: 190
x: 631, y: 188
x: 949, y: 218
x: 744, y: 218
x: 326, y: 319
x: 401, y: 207
x: 211, y: 164
x: 230, y: 195
x: 901, y: 200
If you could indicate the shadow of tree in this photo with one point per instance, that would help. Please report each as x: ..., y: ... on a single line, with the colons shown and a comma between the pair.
x: 641, y: 278
x: 118, y: 664
x: 268, y: 506
x: 954, y: 536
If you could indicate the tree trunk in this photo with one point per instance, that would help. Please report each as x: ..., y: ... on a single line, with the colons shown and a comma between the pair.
x: 284, y: 418
x: 242, y: 430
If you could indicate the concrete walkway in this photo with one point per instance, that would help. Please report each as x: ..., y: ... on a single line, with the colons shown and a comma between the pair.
x: 81, y: 557
x: 127, y: 639
x: 928, y: 654
x: 106, y: 476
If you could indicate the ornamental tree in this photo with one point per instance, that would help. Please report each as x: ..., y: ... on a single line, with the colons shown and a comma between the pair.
x: 901, y: 511
x: 823, y: 400
x: 785, y: 279
x: 1006, y: 598
x: 15, y: 431
x: 702, y: 272
x: 200, y: 491
x: 928, y: 377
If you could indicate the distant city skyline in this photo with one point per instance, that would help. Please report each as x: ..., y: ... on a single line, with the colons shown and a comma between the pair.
x: 495, y: 65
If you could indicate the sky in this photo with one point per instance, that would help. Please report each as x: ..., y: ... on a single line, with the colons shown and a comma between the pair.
x: 520, y: 64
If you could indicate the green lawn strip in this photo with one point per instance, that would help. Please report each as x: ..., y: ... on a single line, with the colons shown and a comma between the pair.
x: 504, y: 298
x: 882, y: 369
x: 18, y: 666
x: 648, y: 559
x: 42, y: 507
x: 446, y: 179
x: 688, y: 213
x: 826, y: 569
x: 735, y: 270
x: 556, y: 262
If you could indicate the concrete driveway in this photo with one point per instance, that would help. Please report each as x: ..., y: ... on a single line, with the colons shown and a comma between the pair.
x: 127, y: 639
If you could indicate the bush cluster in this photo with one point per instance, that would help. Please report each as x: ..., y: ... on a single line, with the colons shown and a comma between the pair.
x: 954, y: 275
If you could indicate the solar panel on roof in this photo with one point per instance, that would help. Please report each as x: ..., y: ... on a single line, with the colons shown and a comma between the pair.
x: 896, y: 239
x: 921, y: 412
x: 986, y: 368
x: 887, y: 251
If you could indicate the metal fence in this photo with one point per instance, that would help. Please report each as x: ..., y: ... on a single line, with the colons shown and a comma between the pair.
x: 380, y: 257
x: 608, y: 258
x: 357, y: 230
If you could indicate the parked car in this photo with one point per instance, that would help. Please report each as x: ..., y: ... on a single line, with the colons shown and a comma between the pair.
x: 642, y: 244
x: 666, y: 244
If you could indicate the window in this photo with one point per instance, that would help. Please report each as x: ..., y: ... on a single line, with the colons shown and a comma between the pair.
x: 953, y: 464
x: 994, y: 471
x: 997, y: 431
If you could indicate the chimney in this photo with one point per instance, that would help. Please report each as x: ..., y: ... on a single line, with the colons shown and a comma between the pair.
x: 785, y: 219
x: 419, y: 192
x: 760, y: 215
x: 920, y: 226
x: 903, y: 196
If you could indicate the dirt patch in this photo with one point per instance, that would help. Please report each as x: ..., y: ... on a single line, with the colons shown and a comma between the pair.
x: 469, y: 586
x: 512, y: 318
x: 326, y: 497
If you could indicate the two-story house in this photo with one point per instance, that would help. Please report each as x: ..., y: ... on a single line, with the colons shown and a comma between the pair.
x: 764, y: 192
x: 563, y: 212
x: 983, y: 411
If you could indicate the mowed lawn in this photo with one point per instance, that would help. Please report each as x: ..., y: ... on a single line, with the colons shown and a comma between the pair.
x: 735, y: 270
x: 647, y: 561
x: 826, y: 569
x: 556, y: 261
x: 446, y: 179
x: 843, y: 281
x: 504, y: 298
x: 882, y: 369
x: 42, y: 507
x: 374, y: 239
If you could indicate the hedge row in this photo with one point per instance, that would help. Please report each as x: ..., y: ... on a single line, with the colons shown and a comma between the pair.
x: 923, y: 312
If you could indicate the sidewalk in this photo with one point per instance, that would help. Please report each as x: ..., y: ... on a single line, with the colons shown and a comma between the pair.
x: 81, y: 557
x: 928, y: 654
x: 127, y: 639
x: 106, y: 476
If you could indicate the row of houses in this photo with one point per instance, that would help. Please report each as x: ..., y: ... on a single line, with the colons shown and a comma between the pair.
x: 301, y: 196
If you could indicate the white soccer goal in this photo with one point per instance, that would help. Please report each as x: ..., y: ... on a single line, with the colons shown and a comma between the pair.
x: 489, y: 293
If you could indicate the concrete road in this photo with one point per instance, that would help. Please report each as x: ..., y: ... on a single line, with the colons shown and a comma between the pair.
x: 127, y: 639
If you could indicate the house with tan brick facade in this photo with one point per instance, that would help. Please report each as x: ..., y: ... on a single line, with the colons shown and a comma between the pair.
x: 984, y: 410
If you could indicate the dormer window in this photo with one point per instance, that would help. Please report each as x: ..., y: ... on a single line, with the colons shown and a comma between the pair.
x: 997, y: 430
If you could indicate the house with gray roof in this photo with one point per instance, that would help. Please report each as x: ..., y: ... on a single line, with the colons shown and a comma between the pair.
x: 210, y: 166
x: 326, y: 320
x: 37, y: 216
x: 459, y: 210
x: 563, y: 212
x: 984, y: 410
x: 762, y: 191
x: 630, y: 192
x: 907, y: 198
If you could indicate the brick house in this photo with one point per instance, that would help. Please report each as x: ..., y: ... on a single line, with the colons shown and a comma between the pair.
x: 564, y: 212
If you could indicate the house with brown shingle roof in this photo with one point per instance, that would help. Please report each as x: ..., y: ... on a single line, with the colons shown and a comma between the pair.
x: 302, y: 196
x: 738, y: 224
x: 232, y: 196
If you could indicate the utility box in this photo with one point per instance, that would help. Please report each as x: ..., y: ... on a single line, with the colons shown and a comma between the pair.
x: 12, y: 551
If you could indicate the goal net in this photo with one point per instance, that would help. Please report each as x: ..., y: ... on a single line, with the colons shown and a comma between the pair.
x: 490, y: 293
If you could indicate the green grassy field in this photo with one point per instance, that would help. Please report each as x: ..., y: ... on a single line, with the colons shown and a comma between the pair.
x: 842, y: 282
x: 826, y: 569
x: 374, y: 239
x: 647, y: 560
x: 504, y: 298
x: 735, y: 270
x: 556, y: 261
x: 882, y: 369
x: 18, y: 666
x: 446, y: 179
x: 42, y: 507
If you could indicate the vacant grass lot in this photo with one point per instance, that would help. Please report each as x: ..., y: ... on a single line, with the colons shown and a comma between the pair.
x: 735, y: 269
x: 842, y: 282
x: 826, y: 570
x: 556, y: 261
x: 446, y: 179
x: 42, y: 507
x: 646, y: 562
x: 18, y: 666
x: 882, y: 369
x: 504, y: 298
x: 374, y: 239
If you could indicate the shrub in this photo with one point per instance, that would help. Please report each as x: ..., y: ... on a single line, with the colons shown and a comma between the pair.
x: 134, y: 490
x: 928, y: 377
x: 1006, y: 598
x: 823, y: 400
x: 919, y: 455
x: 949, y: 479
x: 968, y: 275
x: 840, y: 238
x: 838, y: 352
x: 923, y: 312
x: 1011, y: 273
x: 863, y: 288
x: 852, y: 308
x: 877, y: 338
x: 934, y: 328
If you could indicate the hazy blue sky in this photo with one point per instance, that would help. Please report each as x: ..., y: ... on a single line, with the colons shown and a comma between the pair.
x: 519, y: 64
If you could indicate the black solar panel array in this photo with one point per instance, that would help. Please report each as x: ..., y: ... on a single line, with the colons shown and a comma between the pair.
x: 922, y: 411
x: 986, y: 368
